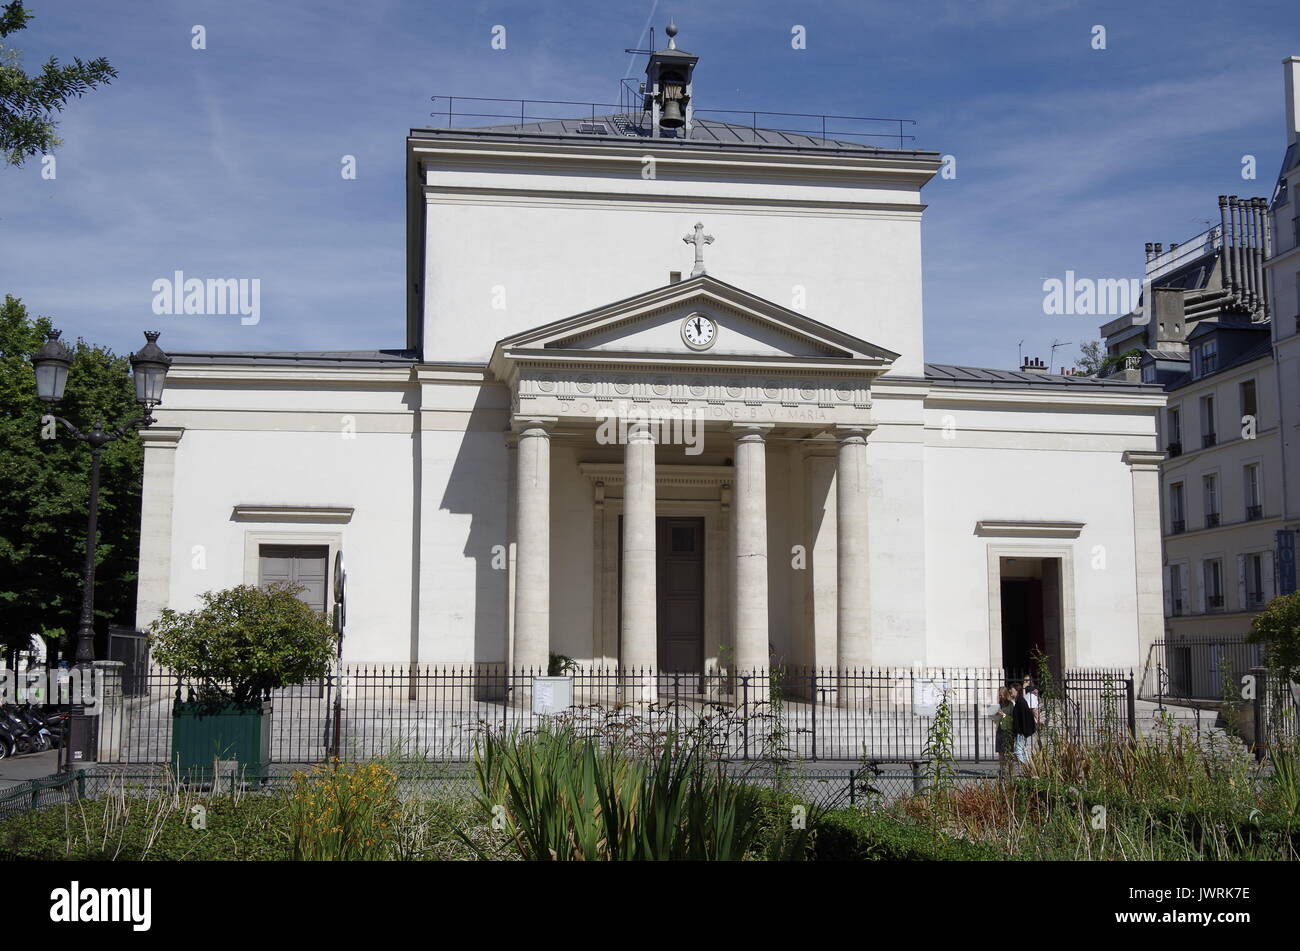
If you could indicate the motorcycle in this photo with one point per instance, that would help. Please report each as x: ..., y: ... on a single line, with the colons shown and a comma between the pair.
x: 48, y: 729
x: 26, y: 737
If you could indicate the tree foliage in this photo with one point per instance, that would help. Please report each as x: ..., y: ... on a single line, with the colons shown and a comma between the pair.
x: 46, y: 495
x: 1277, y: 627
x: 1092, y: 355
x: 244, y: 641
x: 28, y: 104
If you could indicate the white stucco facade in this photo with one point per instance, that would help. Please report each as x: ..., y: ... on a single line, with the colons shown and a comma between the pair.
x: 837, y: 502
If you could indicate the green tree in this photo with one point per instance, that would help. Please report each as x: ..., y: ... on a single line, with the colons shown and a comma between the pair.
x: 1092, y: 356
x: 47, y: 490
x: 243, y: 641
x: 28, y: 104
x: 1277, y: 627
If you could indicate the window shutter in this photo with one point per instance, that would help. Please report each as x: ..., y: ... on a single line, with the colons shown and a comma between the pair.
x: 1241, y: 582
x: 1267, y: 571
x: 1200, y: 587
x: 1183, y: 583
x: 1169, y: 592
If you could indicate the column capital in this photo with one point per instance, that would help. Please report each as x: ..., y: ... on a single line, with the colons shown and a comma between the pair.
x: 850, y: 432
x: 1142, y: 460
x: 751, y: 432
x: 533, y: 425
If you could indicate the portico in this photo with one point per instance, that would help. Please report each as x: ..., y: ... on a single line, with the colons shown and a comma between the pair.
x: 664, y: 431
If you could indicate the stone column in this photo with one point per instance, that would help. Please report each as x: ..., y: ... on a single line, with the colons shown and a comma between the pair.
x: 639, y: 648
x: 1144, y: 467
x: 153, y: 587
x: 749, y: 617
x: 533, y: 547
x: 853, y: 603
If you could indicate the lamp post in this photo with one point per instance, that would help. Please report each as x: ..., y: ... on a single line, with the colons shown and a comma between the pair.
x: 149, y: 369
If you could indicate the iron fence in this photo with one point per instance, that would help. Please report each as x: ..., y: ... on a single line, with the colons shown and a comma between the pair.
x: 1194, y: 667
x: 425, y: 712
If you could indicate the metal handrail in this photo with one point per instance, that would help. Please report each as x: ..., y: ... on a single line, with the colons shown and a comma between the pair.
x: 627, y: 111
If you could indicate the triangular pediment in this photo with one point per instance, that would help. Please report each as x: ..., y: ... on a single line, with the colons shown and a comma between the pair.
x: 650, y: 327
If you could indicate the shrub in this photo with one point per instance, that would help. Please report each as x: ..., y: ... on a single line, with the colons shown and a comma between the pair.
x: 344, y: 813
x: 557, y: 796
x: 245, y: 641
x: 852, y: 835
x: 1277, y: 627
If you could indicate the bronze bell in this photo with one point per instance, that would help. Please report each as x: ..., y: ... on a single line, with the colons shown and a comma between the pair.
x: 671, y: 118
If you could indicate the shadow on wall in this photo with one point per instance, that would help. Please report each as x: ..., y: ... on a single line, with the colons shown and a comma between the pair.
x: 478, y: 486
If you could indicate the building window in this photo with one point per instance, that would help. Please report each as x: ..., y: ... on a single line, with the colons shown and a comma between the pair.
x: 1254, y: 500
x: 1254, y: 581
x: 302, y: 565
x: 1205, y: 359
x: 1175, y: 423
x: 1210, y: 490
x: 1213, y: 584
x: 1176, y: 590
x: 1207, y: 422
x: 1177, y: 516
x: 1248, y: 405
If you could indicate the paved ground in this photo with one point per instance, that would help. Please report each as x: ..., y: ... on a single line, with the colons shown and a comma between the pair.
x: 19, y: 769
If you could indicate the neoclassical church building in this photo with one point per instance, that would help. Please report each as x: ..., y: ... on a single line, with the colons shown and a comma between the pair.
x: 663, y: 402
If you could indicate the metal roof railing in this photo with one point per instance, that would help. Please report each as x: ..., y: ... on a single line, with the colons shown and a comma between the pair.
x: 636, y: 122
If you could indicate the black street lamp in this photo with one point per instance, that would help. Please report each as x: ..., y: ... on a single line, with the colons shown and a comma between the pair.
x: 149, y: 368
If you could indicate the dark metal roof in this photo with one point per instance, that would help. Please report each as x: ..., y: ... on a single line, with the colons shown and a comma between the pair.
x: 351, y: 358
x: 625, y: 130
x: 1260, y: 350
x: 943, y: 374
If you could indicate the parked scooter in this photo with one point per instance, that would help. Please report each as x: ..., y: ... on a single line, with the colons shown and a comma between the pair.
x: 6, y: 739
x: 26, y: 737
x: 47, y: 729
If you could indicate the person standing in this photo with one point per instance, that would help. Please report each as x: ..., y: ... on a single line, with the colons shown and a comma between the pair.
x: 1004, y: 738
x: 1024, y: 724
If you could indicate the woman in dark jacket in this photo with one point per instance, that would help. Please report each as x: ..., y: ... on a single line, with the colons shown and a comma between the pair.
x: 1004, y: 739
x: 1023, y: 725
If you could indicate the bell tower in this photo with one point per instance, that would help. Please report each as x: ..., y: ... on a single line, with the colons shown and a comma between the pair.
x: 669, y: 88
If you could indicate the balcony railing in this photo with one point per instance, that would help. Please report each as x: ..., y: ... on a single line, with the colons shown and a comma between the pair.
x: 1175, y: 449
x: 1214, y: 602
x: 1177, y: 527
x: 1254, y: 513
x: 1211, y: 519
x: 1207, y: 440
x: 1176, y: 607
x: 1254, y: 599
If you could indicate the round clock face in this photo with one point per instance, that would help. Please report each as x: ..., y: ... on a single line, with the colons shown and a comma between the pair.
x: 699, y: 332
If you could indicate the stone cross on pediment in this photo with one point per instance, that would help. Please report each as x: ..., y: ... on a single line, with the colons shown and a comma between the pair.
x: 699, y: 239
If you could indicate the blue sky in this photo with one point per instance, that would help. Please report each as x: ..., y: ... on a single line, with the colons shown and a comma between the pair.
x: 225, y: 161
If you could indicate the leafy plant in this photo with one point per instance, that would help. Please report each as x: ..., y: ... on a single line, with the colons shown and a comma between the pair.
x: 557, y: 796
x: 560, y: 665
x: 939, y: 756
x: 243, y: 642
x: 1277, y: 627
x: 344, y: 813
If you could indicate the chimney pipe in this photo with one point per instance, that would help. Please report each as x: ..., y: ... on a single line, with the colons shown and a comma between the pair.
x: 1291, y: 83
x: 1033, y: 365
x: 1149, y: 252
x: 1248, y: 250
x: 1234, y: 249
x: 1225, y: 259
x: 1265, y: 246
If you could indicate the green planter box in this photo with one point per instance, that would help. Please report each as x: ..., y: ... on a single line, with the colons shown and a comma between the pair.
x: 202, y: 735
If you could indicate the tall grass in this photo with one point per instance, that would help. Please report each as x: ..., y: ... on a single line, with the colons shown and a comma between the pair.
x: 554, y: 795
